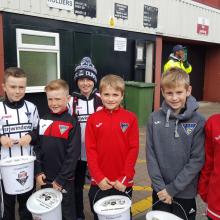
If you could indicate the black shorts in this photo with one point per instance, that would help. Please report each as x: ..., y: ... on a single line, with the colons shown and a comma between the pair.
x: 188, y: 207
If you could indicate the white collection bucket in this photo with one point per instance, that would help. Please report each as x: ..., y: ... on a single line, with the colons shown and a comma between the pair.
x: 18, y: 174
x: 113, y: 207
x: 161, y: 215
x: 45, y: 204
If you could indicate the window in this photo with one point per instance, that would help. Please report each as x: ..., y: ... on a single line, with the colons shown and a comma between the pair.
x: 38, y: 53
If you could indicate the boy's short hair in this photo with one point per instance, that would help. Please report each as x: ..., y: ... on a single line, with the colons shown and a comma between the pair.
x: 114, y: 81
x: 174, y: 77
x: 56, y: 85
x: 15, y: 72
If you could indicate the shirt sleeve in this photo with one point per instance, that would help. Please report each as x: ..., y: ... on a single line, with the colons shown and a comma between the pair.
x: 209, y: 164
x: 194, y: 164
x: 35, y: 121
x: 91, y: 152
x: 152, y: 163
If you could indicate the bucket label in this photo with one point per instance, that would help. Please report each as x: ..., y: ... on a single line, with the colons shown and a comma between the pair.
x: 22, y: 177
x: 48, y: 199
x: 113, y: 204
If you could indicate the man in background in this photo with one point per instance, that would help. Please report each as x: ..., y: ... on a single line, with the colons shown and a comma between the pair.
x: 178, y: 59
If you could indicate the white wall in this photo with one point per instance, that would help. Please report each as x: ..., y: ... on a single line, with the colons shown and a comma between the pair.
x: 176, y: 18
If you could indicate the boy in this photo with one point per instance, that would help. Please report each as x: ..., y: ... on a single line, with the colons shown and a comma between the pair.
x: 210, y: 174
x: 175, y: 146
x: 83, y: 103
x: 112, y: 143
x: 59, y: 147
x: 14, y: 113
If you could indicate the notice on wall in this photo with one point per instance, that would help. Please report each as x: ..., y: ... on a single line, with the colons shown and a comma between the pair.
x: 121, y: 11
x: 203, y: 26
x: 61, y: 4
x: 85, y: 8
x: 120, y: 44
x: 150, y: 16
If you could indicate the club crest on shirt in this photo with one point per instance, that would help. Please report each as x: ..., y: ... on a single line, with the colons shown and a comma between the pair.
x: 28, y: 114
x: 124, y: 126
x: 22, y: 177
x: 63, y: 128
x: 188, y: 127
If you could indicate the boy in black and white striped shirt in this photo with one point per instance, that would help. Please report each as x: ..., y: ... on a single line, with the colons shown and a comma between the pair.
x: 18, y: 119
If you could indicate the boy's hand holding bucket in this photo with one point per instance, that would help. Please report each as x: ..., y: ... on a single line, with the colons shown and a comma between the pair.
x: 105, y: 184
x: 7, y: 141
x: 24, y: 140
x: 119, y: 186
x: 41, y: 179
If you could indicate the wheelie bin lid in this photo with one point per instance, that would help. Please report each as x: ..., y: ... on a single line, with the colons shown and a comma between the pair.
x: 139, y: 84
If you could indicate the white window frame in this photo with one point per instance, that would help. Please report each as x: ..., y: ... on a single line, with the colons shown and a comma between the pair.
x: 38, y: 48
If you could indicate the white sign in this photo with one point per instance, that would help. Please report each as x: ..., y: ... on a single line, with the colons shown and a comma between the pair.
x: 120, y: 44
x: 61, y: 4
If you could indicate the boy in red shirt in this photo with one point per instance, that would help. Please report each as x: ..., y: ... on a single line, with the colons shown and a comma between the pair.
x: 112, y: 144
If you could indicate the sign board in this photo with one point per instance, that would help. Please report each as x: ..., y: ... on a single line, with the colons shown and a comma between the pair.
x: 150, y: 16
x: 203, y: 26
x: 66, y: 5
x: 120, y: 44
x: 121, y: 11
x: 85, y: 8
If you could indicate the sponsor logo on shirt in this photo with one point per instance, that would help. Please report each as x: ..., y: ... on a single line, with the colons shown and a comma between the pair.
x: 157, y: 122
x: 217, y: 138
x: 6, y: 116
x: 189, y: 127
x: 124, y: 126
x: 192, y: 210
x: 15, y: 128
x: 82, y: 118
x: 98, y: 125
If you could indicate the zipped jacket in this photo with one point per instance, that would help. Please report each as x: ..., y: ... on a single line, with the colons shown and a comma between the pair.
x: 112, y: 144
x: 59, y: 147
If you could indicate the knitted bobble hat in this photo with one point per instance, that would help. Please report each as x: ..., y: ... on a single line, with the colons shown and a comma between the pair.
x: 86, y: 70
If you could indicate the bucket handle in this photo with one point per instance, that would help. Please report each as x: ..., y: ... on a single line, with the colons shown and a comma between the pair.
x: 50, y: 185
x: 126, y: 192
x: 178, y: 204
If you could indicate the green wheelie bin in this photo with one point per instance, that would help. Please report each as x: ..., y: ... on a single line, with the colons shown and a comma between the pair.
x: 139, y: 99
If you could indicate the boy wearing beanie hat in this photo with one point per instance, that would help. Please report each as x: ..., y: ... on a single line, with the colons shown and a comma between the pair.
x: 83, y: 102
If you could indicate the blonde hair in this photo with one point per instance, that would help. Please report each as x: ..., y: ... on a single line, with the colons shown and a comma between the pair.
x: 15, y: 72
x: 175, y: 77
x: 56, y: 85
x: 114, y: 81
